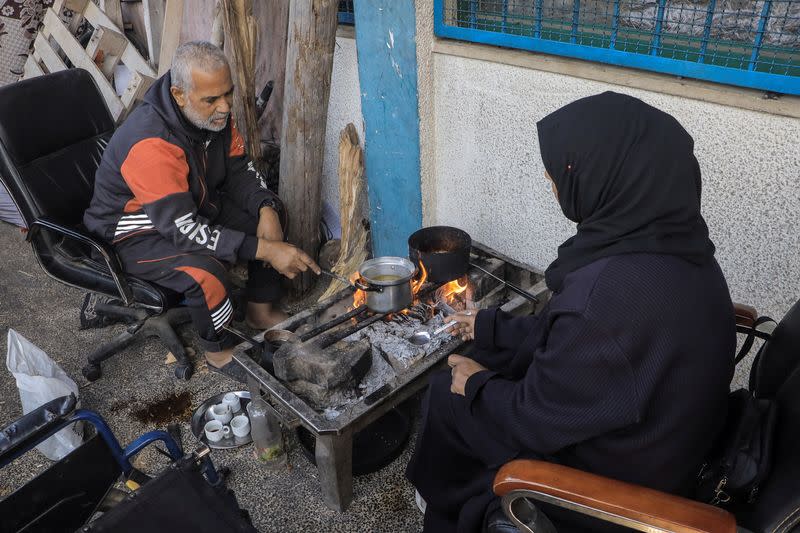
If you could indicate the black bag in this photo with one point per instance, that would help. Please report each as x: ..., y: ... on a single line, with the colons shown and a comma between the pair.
x: 742, y: 458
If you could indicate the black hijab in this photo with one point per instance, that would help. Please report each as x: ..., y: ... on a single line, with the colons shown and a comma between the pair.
x: 626, y: 173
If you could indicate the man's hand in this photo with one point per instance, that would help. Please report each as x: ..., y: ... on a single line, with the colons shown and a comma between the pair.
x: 463, y: 368
x: 269, y: 225
x: 286, y: 258
x: 465, y: 328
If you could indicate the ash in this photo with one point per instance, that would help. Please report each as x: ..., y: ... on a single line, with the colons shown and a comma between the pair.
x: 392, y: 354
x: 389, y: 341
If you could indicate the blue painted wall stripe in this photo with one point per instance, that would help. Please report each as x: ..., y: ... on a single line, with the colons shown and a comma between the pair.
x: 387, y: 69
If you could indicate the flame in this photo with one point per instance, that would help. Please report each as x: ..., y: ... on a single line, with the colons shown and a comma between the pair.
x: 449, y: 290
x: 416, y: 284
x: 359, y: 297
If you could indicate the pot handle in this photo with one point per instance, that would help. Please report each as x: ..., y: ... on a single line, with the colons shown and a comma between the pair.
x: 366, y: 287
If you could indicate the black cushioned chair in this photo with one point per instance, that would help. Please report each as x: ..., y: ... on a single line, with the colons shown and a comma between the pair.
x: 775, y: 373
x: 53, y: 130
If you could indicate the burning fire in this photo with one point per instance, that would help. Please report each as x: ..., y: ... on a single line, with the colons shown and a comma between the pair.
x: 416, y: 285
x: 451, y: 289
x: 359, y: 297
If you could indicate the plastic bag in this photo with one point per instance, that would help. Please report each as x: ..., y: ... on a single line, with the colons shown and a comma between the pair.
x: 39, y: 380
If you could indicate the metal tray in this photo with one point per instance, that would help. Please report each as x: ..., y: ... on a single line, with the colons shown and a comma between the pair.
x: 203, y: 414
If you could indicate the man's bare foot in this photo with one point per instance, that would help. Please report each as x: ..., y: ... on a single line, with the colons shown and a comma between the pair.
x: 219, y: 359
x: 263, y: 316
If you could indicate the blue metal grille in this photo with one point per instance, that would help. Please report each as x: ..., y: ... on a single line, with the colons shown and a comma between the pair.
x: 747, y: 43
x: 346, y: 12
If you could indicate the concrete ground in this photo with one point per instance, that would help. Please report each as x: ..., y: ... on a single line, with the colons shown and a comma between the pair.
x: 46, y: 313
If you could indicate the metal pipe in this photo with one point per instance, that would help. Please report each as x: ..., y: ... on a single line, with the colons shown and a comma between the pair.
x: 655, y: 44
x: 615, y: 25
x: 537, y: 18
x: 712, y: 4
x: 762, y: 24
x: 576, y: 14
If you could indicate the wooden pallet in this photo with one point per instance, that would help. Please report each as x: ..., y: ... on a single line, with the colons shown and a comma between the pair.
x: 107, y: 48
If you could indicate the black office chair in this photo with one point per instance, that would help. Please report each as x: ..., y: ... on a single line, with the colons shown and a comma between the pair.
x: 775, y: 374
x: 53, y: 130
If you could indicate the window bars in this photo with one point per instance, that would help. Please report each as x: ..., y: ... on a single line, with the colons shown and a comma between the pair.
x: 753, y: 43
x: 346, y: 12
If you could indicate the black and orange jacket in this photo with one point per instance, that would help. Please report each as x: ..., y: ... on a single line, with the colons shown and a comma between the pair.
x: 161, y: 174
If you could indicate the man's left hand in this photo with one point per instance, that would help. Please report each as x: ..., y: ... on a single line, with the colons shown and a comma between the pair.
x: 463, y: 368
x: 269, y: 225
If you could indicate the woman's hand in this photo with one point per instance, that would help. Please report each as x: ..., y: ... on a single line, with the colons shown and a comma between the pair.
x: 463, y: 368
x: 465, y: 328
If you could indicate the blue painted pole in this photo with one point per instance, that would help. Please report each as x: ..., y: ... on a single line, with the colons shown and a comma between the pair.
x: 505, y: 16
x: 387, y: 69
x: 537, y: 19
x: 655, y: 45
x: 615, y: 25
x: 712, y: 4
x: 762, y: 24
x: 576, y: 14
x: 473, y: 13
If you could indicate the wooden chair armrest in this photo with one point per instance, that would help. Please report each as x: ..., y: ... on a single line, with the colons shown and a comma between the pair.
x: 746, y: 315
x: 615, y: 501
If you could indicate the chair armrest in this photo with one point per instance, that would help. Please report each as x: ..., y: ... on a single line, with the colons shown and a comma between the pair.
x: 746, y: 315
x: 108, y: 254
x: 614, y: 501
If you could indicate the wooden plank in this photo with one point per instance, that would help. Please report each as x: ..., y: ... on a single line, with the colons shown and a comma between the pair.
x: 80, y: 59
x: 113, y: 11
x: 153, y: 27
x: 273, y: 25
x: 76, y: 6
x: 106, y: 47
x: 135, y: 90
x: 130, y: 57
x: 31, y: 68
x: 170, y: 37
x: 309, y: 62
x: 49, y: 57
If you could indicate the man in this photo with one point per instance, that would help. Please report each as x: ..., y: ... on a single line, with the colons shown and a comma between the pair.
x: 179, y: 199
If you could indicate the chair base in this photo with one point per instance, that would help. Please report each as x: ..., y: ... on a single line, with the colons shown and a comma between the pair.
x: 161, y: 326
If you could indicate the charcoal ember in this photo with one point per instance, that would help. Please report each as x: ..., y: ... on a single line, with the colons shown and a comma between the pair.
x: 339, y: 365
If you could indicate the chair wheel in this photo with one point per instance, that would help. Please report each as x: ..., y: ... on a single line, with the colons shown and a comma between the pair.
x: 183, y: 372
x: 91, y: 372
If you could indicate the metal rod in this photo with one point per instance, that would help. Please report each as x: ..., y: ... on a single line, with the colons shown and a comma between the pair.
x: 336, y: 336
x: 242, y: 336
x: 505, y: 16
x: 712, y: 4
x: 514, y: 288
x: 473, y: 13
x: 537, y: 17
x: 655, y: 45
x: 576, y: 14
x: 615, y: 25
x: 762, y: 24
x: 333, y: 323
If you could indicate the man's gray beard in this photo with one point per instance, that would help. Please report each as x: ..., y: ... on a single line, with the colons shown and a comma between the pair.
x: 198, y: 121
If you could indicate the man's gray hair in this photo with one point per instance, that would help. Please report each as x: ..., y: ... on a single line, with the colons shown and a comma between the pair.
x: 201, y: 55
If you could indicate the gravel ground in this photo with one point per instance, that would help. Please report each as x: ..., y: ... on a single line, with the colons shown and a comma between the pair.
x: 46, y: 313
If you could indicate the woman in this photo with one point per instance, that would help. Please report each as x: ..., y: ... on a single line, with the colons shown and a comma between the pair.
x: 625, y: 373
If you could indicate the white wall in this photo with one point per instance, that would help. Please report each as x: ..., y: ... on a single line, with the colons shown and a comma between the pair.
x: 344, y: 107
x: 488, y: 174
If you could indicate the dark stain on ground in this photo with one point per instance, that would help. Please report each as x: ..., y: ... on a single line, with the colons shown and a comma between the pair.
x: 165, y: 410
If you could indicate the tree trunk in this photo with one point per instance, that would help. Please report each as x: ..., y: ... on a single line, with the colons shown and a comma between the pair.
x: 309, y: 61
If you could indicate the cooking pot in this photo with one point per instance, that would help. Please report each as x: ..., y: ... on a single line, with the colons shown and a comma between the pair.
x: 387, y: 283
x: 444, y: 252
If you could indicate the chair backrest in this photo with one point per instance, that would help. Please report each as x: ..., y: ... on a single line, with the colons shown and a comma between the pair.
x: 776, y: 374
x: 53, y: 130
